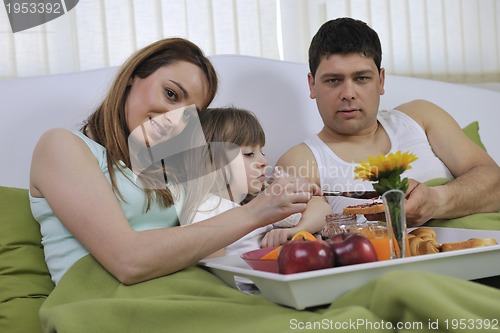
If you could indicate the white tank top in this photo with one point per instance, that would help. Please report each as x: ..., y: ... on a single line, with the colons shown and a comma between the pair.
x: 404, y: 134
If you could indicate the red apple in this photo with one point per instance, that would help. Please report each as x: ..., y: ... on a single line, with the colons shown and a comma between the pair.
x: 304, y: 255
x: 351, y: 248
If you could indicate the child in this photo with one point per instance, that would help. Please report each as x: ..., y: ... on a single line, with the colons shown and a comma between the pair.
x: 240, y: 175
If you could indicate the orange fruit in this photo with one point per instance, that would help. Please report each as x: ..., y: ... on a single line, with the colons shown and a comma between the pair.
x: 272, y: 255
x: 303, y: 234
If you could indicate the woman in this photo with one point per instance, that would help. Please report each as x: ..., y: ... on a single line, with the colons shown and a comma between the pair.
x: 87, y: 199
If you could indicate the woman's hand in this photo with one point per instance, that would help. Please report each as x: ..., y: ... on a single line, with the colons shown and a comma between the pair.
x: 285, y: 196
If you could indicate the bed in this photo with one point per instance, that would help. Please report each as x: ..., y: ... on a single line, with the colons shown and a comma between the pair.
x: 277, y: 92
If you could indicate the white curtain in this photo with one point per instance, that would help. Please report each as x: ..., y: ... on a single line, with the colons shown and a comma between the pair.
x: 100, y: 33
x: 449, y: 40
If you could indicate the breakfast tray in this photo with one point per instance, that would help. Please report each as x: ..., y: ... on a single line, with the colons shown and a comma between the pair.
x: 307, y: 289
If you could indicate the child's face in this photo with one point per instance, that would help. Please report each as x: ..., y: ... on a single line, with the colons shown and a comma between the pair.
x: 247, y: 172
x: 255, y: 163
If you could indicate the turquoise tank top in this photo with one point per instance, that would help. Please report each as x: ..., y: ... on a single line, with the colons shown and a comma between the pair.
x: 62, y: 249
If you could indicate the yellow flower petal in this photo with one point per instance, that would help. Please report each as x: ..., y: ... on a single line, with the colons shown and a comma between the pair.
x: 380, y: 166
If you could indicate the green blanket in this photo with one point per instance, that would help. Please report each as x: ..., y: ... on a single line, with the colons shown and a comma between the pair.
x: 89, y: 299
x: 484, y: 221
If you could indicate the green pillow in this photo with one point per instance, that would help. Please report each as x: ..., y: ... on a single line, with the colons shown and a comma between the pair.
x: 472, y: 131
x: 24, y: 278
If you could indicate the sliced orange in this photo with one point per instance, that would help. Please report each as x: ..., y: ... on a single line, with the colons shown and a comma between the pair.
x: 272, y: 255
x: 303, y: 234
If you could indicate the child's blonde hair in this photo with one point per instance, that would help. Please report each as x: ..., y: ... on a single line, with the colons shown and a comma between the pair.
x: 225, y: 130
x: 232, y: 125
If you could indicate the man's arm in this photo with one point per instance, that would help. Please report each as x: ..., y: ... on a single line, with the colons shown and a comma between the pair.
x: 476, y: 187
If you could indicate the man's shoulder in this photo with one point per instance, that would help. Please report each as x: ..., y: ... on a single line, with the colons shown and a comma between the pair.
x: 424, y: 112
x: 418, y: 108
x: 299, y: 161
x: 296, y: 154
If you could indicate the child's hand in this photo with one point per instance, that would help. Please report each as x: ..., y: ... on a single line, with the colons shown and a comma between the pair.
x: 277, y: 237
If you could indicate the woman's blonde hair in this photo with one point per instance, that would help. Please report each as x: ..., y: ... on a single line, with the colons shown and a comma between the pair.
x: 108, y: 125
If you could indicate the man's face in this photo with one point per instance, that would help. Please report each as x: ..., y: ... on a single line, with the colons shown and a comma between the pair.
x: 347, y: 89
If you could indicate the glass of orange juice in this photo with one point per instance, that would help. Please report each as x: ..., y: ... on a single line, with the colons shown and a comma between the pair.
x: 378, y: 235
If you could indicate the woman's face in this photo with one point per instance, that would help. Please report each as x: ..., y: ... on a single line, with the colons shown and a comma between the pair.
x: 156, y: 107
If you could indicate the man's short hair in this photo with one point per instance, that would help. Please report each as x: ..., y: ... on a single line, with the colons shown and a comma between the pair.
x: 343, y: 36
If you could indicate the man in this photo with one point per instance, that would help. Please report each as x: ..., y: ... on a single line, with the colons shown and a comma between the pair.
x: 347, y: 80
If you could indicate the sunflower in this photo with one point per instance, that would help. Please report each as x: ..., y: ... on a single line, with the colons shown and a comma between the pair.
x: 385, y: 171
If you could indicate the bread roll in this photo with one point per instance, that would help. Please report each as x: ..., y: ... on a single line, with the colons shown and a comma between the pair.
x: 424, y: 232
x: 423, y: 241
x: 468, y: 244
x: 418, y: 246
x: 414, y: 242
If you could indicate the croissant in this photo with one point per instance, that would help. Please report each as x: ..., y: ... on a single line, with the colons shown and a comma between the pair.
x: 424, y: 232
x: 418, y: 246
x: 423, y: 241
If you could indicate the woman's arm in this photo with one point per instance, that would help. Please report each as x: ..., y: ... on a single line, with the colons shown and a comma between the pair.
x: 312, y: 220
x: 65, y: 172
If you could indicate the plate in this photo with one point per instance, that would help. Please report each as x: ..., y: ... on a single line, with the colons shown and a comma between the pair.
x: 308, y: 289
x: 252, y: 258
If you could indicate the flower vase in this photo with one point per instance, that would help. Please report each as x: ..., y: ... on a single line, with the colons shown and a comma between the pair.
x: 396, y: 222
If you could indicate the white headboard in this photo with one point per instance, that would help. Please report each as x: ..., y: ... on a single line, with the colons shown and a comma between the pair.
x: 275, y: 91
